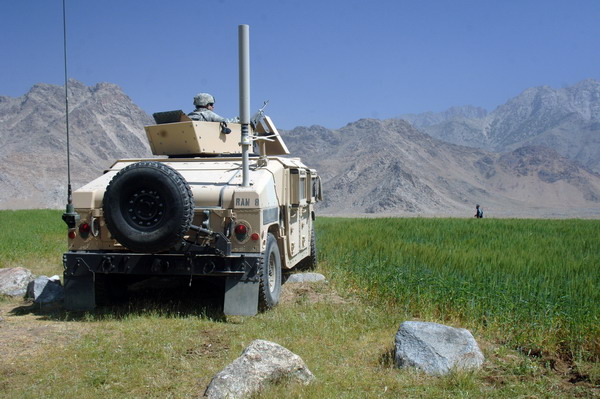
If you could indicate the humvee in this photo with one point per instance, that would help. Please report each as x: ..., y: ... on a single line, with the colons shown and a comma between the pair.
x: 205, y: 208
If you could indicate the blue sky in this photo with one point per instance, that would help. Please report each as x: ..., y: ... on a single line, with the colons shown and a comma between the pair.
x: 318, y: 62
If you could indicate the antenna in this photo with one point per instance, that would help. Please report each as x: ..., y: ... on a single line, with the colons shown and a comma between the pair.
x: 244, y: 65
x: 70, y: 216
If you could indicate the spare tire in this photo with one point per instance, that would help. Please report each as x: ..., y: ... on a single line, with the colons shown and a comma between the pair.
x: 148, y: 207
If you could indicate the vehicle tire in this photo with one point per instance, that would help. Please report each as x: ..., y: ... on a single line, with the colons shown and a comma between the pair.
x: 148, y: 207
x: 310, y: 262
x: 270, y: 275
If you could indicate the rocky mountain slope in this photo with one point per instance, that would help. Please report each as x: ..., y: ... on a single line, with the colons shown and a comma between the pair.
x: 389, y: 167
x: 566, y: 120
x: 427, y: 119
x: 368, y: 167
x: 104, y: 125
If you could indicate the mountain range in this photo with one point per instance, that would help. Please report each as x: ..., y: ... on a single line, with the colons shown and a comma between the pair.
x: 391, y: 168
x: 535, y: 156
x: 104, y: 126
x: 566, y: 120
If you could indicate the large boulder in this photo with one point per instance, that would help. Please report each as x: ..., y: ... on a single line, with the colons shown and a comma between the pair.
x: 13, y: 281
x: 46, y: 289
x: 260, y: 364
x: 435, y: 348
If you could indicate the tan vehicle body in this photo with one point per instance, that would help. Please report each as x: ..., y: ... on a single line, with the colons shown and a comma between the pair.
x: 277, y: 204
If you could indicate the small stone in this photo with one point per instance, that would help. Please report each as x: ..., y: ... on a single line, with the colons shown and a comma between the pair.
x: 305, y: 278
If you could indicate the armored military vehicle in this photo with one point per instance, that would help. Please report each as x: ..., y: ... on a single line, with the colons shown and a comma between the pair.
x: 223, y: 200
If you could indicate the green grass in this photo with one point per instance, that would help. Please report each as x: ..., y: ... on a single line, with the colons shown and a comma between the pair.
x: 516, y: 284
x: 534, y: 283
x: 33, y: 239
x: 347, y: 347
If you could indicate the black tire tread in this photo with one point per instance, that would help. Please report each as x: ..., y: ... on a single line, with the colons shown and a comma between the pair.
x: 265, y: 299
x: 185, y: 216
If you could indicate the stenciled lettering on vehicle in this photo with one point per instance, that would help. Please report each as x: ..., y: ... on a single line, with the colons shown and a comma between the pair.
x: 242, y: 201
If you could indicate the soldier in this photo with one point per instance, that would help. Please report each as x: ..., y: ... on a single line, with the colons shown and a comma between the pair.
x: 205, y: 103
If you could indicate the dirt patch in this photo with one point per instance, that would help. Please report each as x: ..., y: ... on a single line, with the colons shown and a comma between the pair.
x: 310, y: 292
x: 26, y: 329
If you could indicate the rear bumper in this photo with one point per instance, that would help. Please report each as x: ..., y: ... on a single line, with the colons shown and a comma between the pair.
x: 77, y: 263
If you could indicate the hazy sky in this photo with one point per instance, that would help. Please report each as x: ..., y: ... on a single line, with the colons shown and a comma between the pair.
x: 318, y: 62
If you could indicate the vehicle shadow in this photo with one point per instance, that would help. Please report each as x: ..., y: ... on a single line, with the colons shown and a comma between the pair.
x: 173, y: 297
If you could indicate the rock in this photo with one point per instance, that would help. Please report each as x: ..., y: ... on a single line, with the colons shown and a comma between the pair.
x: 13, y: 281
x: 46, y: 289
x: 436, y: 349
x: 260, y: 364
x: 305, y: 278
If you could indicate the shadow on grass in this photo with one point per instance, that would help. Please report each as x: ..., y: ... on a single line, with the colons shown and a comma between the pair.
x: 156, y: 297
x: 388, y: 358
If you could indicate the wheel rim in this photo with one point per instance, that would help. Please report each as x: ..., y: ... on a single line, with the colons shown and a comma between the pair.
x: 272, y: 272
x: 145, y: 208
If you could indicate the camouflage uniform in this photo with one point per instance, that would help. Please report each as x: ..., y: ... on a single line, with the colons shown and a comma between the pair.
x: 202, y: 113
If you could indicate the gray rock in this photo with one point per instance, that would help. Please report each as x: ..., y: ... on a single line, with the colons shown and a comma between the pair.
x: 46, y: 289
x: 436, y: 349
x: 305, y: 278
x: 260, y: 364
x: 13, y: 281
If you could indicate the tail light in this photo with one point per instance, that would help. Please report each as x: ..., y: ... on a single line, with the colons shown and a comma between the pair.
x: 241, y: 231
x: 84, y: 230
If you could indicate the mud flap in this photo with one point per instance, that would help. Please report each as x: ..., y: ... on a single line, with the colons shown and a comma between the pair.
x: 79, y: 292
x: 241, y: 297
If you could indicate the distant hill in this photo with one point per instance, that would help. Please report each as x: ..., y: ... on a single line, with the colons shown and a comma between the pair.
x: 389, y: 167
x: 566, y: 120
x: 368, y: 167
x: 427, y: 119
x: 104, y: 126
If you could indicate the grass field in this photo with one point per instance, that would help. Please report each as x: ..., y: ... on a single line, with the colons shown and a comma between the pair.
x: 33, y: 239
x: 527, y: 289
x: 534, y: 283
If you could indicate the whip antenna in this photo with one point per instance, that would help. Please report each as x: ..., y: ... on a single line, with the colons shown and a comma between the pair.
x: 70, y: 216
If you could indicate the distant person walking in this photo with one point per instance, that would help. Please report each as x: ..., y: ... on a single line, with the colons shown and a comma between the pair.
x: 478, y: 212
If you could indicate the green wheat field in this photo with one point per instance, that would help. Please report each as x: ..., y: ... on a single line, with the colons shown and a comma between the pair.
x: 536, y: 283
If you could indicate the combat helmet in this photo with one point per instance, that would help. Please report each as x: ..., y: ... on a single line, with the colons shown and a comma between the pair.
x: 203, y: 99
